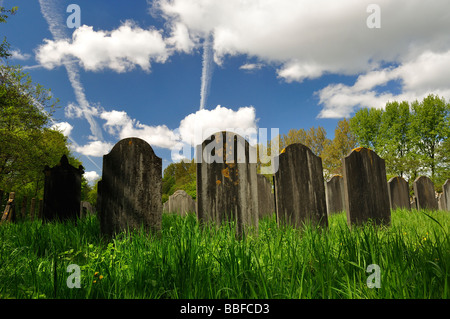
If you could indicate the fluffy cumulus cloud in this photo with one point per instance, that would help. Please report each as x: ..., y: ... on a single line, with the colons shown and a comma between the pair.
x: 308, y: 39
x: 91, y: 176
x: 64, y: 127
x: 193, y: 129
x: 120, y: 50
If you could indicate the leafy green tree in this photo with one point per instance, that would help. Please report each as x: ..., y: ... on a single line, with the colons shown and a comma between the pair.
x: 341, y: 145
x: 431, y: 127
x: 365, y: 126
x: 4, y: 46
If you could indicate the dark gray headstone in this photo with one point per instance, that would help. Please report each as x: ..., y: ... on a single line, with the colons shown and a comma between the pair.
x: 335, y: 195
x: 300, y: 187
x: 62, y: 191
x: 446, y: 195
x: 398, y: 193
x: 227, y: 186
x: 181, y: 203
x: 86, y: 209
x: 365, y: 188
x: 131, y: 188
x: 265, y: 197
x: 425, y: 194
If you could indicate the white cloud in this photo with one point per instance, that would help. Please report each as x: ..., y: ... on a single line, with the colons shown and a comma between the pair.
x: 251, y: 66
x: 120, y: 50
x: 417, y: 78
x: 91, y: 176
x: 94, y: 148
x: 64, y: 127
x: 18, y: 55
x: 119, y: 124
x: 200, y: 125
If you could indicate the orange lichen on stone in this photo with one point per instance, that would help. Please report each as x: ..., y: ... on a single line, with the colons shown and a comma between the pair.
x: 226, y: 172
x: 130, y: 142
x: 283, y: 150
x: 358, y: 149
x: 218, y: 182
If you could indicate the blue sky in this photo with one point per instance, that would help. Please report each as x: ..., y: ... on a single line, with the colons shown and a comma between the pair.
x: 135, y: 68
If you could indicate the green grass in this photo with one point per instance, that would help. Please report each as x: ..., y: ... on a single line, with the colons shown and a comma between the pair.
x: 188, y: 260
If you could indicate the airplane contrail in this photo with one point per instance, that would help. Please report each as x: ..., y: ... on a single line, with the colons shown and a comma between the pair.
x: 207, y: 68
x: 58, y: 29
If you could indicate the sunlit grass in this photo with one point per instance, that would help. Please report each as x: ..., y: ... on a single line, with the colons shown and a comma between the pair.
x: 188, y: 260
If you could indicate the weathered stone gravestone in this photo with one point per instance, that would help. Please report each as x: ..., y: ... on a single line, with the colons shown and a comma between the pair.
x: 62, y: 191
x: 227, y: 186
x: 265, y: 197
x: 300, y: 187
x: 131, y: 188
x: 166, y: 207
x: 441, y: 201
x: 86, y: 209
x: 398, y: 193
x: 446, y: 195
x: 424, y: 192
x: 335, y: 195
x: 365, y: 188
x: 181, y: 203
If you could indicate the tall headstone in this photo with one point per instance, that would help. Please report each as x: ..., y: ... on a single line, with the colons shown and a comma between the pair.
x: 398, y: 193
x: 131, y: 188
x: 300, y: 187
x: 227, y: 186
x: 86, y: 209
x: 265, y: 197
x: 425, y: 194
x: 62, y: 191
x: 365, y: 188
x: 181, y: 203
x: 335, y: 195
x: 446, y: 195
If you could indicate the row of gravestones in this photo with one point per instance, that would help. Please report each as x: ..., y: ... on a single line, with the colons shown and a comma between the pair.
x: 398, y: 191
x: 129, y: 195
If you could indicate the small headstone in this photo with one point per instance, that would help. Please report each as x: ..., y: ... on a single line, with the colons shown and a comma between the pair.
x: 181, y: 203
x: 131, y: 188
x: 265, y: 197
x: 166, y: 207
x: 227, y: 186
x: 365, y: 188
x: 446, y: 195
x: 398, y: 193
x: 9, y: 214
x: 62, y: 191
x: 86, y: 209
x: 335, y: 195
x: 300, y: 187
x: 424, y: 192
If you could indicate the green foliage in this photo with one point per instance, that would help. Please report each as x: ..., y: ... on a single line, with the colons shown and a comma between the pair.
x: 179, y: 176
x: 188, y: 260
x: 412, y: 138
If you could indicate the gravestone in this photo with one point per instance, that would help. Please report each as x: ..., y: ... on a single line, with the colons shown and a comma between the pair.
x: 9, y: 214
x: 335, y: 195
x: 441, y: 201
x: 365, y: 188
x: 166, y: 207
x: 181, y: 203
x: 62, y: 192
x: 227, y: 185
x: 265, y: 197
x: 398, y: 193
x: 86, y: 209
x: 446, y: 195
x: 424, y: 192
x: 300, y: 187
x: 131, y: 188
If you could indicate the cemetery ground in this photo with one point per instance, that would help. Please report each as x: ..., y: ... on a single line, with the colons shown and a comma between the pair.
x: 187, y: 260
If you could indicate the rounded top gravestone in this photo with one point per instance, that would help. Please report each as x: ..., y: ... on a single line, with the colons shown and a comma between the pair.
x: 131, y: 187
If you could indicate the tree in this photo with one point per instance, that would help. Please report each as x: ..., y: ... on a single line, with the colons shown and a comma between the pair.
x: 341, y: 145
x: 4, y: 46
x: 431, y: 127
x: 395, y: 136
x: 365, y: 126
